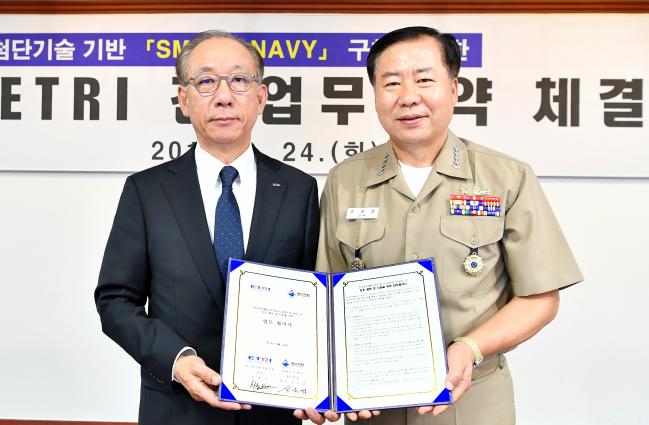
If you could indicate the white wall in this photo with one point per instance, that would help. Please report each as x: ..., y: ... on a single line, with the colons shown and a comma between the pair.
x: 587, y: 367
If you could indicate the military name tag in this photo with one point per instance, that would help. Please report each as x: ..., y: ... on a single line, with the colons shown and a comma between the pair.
x: 362, y: 213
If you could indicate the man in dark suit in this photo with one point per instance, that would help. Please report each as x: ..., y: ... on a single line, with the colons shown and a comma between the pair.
x: 170, y: 241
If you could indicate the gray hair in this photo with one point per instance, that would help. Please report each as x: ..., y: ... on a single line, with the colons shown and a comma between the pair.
x: 183, y: 58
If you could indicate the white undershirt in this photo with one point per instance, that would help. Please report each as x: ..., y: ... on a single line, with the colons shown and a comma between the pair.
x: 244, y: 186
x: 415, y: 177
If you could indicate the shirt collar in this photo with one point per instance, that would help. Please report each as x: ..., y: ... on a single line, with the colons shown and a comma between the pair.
x: 452, y: 160
x: 384, y: 164
x: 210, y: 167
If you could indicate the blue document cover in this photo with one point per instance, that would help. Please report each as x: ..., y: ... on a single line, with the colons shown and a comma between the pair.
x: 368, y: 339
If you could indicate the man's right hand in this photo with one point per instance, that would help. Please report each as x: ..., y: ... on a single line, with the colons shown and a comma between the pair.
x: 199, y: 381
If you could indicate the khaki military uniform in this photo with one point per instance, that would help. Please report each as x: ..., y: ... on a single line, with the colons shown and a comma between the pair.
x: 524, y: 251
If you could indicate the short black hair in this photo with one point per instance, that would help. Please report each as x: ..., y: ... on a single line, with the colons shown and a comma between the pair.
x: 452, y: 56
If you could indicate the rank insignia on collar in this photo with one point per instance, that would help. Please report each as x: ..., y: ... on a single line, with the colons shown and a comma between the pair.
x: 384, y: 162
x: 456, y: 157
x: 473, y: 264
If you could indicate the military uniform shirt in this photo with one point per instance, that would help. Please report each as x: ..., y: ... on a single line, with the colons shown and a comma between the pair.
x: 523, y: 250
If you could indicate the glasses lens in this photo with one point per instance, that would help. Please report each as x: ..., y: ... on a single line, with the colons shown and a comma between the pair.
x: 240, y: 82
x: 206, y: 83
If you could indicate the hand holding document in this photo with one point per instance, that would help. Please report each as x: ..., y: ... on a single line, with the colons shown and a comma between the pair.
x: 369, y: 339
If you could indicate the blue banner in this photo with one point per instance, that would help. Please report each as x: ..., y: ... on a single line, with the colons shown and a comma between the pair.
x: 161, y: 49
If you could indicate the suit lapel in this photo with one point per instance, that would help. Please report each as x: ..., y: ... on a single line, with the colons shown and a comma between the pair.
x: 183, y: 192
x: 269, y: 198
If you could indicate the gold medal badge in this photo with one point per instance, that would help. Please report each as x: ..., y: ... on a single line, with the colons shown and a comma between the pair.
x: 473, y: 264
x: 357, y: 264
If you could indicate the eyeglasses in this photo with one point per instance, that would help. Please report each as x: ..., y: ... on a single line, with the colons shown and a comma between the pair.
x: 209, y: 83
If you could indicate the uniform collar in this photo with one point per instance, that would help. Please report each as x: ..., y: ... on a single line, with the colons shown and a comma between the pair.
x: 384, y: 164
x: 452, y: 160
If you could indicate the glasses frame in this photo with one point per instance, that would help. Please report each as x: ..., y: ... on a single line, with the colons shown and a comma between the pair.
x: 192, y: 80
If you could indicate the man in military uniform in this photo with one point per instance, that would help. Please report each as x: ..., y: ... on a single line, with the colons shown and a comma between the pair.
x: 499, y: 252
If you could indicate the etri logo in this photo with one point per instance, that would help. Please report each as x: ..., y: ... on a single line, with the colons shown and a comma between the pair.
x: 258, y: 359
x: 260, y: 288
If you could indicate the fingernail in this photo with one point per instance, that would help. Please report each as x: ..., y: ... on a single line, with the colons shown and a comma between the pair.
x: 214, y: 380
x: 449, y: 386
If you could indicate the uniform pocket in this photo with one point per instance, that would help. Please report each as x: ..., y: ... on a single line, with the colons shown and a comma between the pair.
x: 357, y: 234
x: 363, y: 235
x: 462, y: 234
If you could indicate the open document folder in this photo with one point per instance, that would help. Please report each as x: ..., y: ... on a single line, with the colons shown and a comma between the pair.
x: 369, y: 339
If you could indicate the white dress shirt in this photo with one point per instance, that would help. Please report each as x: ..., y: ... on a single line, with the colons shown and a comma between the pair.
x: 244, y: 187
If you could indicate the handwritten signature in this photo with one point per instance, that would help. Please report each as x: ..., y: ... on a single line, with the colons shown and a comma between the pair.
x: 290, y: 389
x: 260, y: 386
x: 256, y: 385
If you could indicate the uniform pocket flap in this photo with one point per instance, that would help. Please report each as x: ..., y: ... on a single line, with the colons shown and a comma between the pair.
x: 357, y: 234
x: 473, y: 231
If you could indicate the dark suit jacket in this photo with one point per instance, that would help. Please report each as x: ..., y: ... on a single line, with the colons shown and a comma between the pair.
x: 159, y: 250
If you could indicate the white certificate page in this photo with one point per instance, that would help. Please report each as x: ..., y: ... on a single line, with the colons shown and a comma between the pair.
x: 388, y: 338
x: 275, y: 337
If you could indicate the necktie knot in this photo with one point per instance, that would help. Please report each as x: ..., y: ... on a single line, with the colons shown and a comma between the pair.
x: 228, y: 175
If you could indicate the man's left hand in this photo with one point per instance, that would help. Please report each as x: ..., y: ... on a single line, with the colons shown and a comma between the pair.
x: 310, y: 414
x: 363, y: 414
x: 458, y: 380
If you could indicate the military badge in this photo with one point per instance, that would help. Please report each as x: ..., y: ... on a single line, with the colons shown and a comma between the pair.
x: 475, y: 190
x: 473, y: 264
x: 357, y: 264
